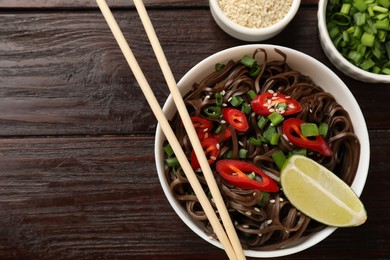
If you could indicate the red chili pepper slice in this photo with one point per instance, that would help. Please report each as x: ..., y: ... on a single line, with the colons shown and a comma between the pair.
x: 292, y: 129
x: 202, y: 127
x: 236, y: 118
x: 268, y: 102
x: 235, y: 172
x: 211, y: 149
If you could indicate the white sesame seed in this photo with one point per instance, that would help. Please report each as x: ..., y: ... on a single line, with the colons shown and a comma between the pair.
x: 269, y: 221
x: 218, y: 146
x: 288, y: 96
x: 274, y: 94
x: 248, y: 213
x: 224, y: 105
x: 205, y: 130
x: 223, y: 122
x: 223, y: 92
x: 235, y: 223
x: 271, y: 91
x: 257, y: 209
x: 230, y: 99
x: 207, y: 97
x: 281, y: 199
x: 213, y: 158
x: 245, y: 226
x: 206, y: 135
x: 271, y: 110
x: 260, y: 235
x: 241, y: 143
x: 272, y: 201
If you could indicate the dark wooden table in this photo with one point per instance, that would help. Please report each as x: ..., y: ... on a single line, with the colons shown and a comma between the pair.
x: 77, y: 170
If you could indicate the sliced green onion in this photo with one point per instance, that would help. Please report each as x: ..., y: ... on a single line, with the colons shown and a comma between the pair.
x: 355, y: 56
x: 268, y: 133
x: 275, y: 118
x: 255, y: 141
x: 219, y: 66
x: 274, y: 139
x: 213, y: 112
x: 309, y: 129
x: 341, y: 19
x: 380, y: 9
x: 229, y: 154
x: 382, y: 24
x: 282, y: 105
x: 368, y: 39
x: 254, y: 71
x: 359, y: 18
x: 172, y: 162
x: 242, y: 153
x: 248, y: 61
x: 279, y: 158
x: 367, y: 64
x: 236, y: 101
x: 384, y: 3
x: 262, y: 122
x: 168, y: 150
x: 246, y: 108
x: 252, y: 94
x: 251, y: 175
x: 218, y: 99
x: 302, y: 151
x: 264, y: 199
x: 386, y: 71
x: 218, y: 129
x: 323, y: 129
x: 360, y: 5
x: 345, y: 8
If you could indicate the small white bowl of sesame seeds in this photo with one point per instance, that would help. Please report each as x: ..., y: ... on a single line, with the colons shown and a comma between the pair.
x: 253, y: 20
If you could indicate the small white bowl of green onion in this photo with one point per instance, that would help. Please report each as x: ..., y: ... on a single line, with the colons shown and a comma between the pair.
x: 355, y: 36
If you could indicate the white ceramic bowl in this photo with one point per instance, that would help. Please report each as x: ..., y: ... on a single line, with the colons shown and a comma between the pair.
x: 323, y: 77
x: 337, y: 59
x: 251, y: 34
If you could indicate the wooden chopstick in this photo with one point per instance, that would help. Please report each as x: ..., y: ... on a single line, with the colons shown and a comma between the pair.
x: 181, y: 107
x: 231, y: 242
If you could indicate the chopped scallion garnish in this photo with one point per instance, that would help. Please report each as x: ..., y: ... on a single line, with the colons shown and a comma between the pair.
x: 279, y: 158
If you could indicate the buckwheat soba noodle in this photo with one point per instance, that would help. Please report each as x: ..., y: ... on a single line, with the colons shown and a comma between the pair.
x: 264, y: 220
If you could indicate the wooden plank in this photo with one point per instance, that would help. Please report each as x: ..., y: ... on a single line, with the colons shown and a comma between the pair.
x: 62, y: 73
x: 112, y: 3
x: 101, y: 198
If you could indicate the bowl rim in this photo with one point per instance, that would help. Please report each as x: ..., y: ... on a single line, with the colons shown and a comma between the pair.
x: 329, y: 44
x: 255, y: 31
x: 169, y: 109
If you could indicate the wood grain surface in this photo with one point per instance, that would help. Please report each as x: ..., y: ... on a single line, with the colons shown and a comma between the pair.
x: 77, y: 167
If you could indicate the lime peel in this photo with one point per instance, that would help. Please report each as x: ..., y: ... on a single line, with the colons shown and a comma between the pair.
x: 320, y: 194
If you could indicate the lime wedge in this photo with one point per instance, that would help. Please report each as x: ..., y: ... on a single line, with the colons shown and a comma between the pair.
x: 320, y: 194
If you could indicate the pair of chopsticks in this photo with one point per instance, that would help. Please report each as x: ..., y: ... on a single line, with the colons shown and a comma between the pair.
x: 229, y: 240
